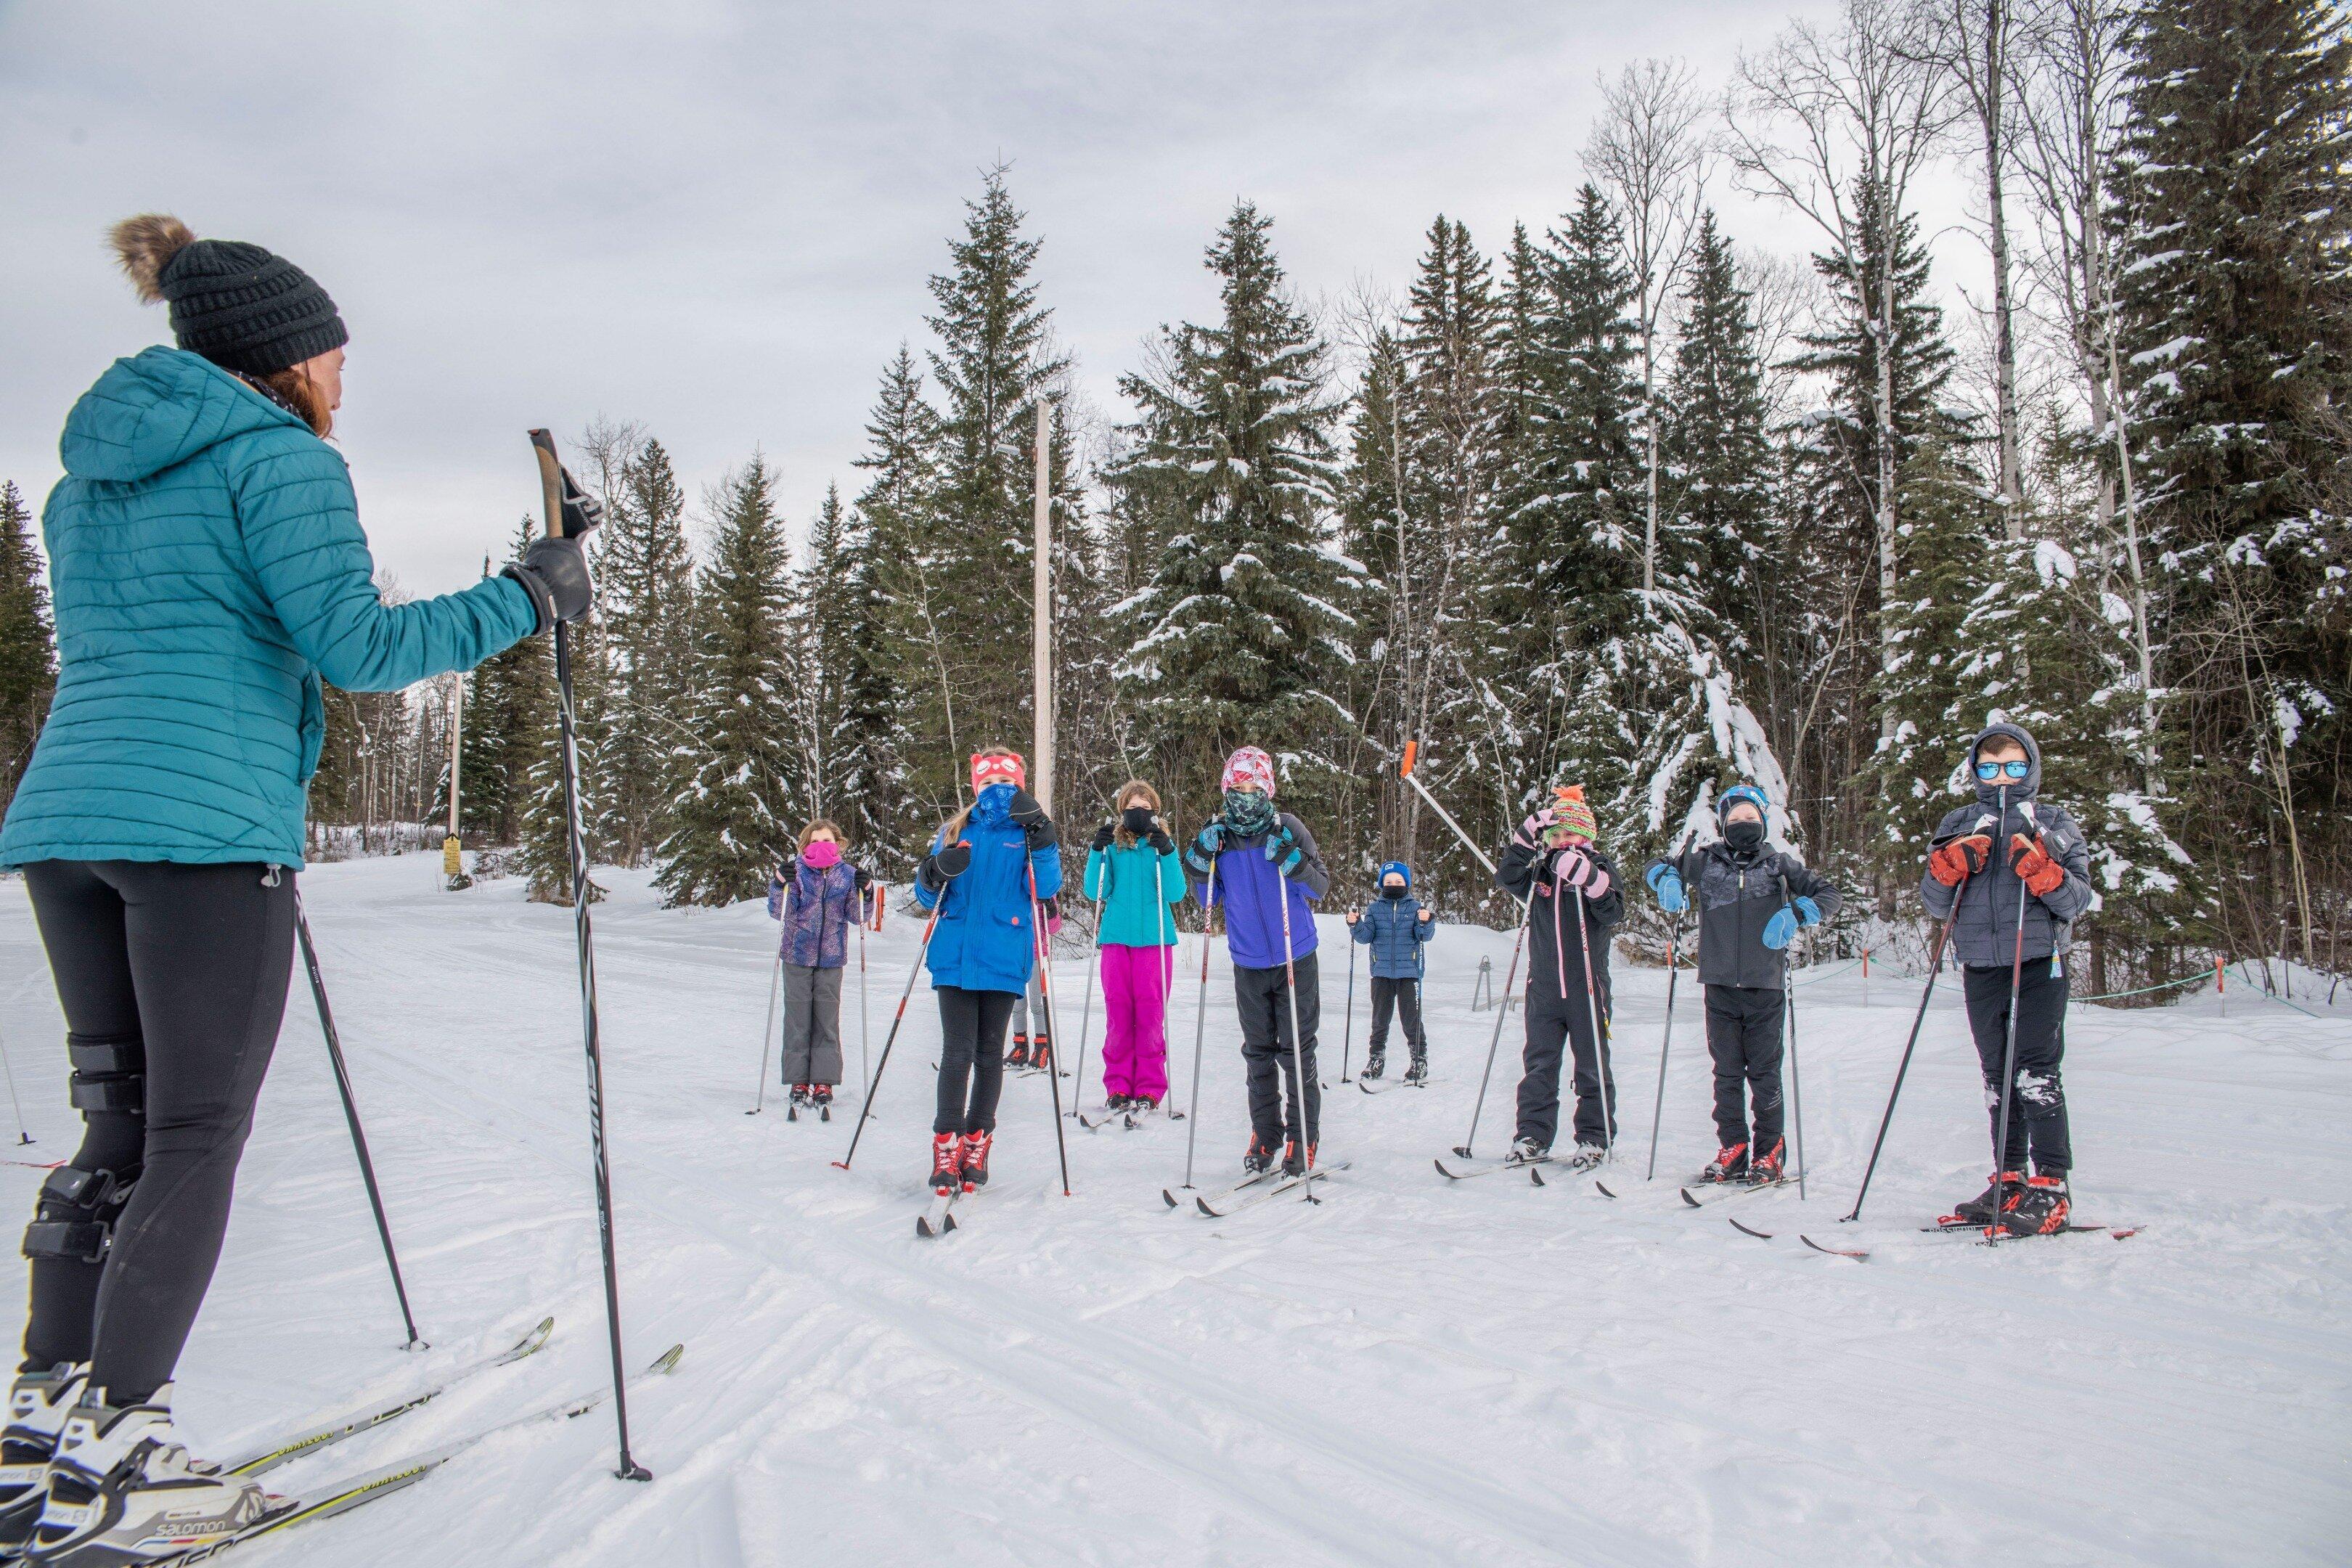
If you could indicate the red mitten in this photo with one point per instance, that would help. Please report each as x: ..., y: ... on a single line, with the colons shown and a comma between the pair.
x: 1961, y: 858
x: 2030, y: 858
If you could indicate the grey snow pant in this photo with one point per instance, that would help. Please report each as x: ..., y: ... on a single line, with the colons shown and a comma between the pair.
x: 811, y: 1024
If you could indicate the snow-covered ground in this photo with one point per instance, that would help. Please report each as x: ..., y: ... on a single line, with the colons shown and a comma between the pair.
x: 1414, y: 1371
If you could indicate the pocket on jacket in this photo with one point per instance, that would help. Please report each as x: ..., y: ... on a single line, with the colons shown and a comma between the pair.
x: 314, y: 725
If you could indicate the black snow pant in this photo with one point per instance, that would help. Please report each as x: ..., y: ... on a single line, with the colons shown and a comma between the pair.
x: 172, y: 980
x: 1402, y: 996
x: 1554, y: 1025
x: 2037, y: 1102
x: 971, y: 1057
x: 1265, y: 1050
x: 1743, y: 1036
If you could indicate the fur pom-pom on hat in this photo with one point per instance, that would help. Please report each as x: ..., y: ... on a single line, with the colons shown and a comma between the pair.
x: 145, y: 245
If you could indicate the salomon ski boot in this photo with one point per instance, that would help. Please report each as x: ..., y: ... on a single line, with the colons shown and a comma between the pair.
x: 1293, y: 1162
x: 1587, y: 1157
x: 123, y: 1490
x: 1374, y: 1065
x: 1259, y: 1160
x: 37, y: 1406
x: 2005, y: 1190
x: 1730, y: 1164
x: 947, y: 1162
x: 975, y: 1159
x: 800, y: 1096
x: 1767, y: 1165
x: 1040, y: 1052
x: 1526, y: 1151
x: 1418, y: 1068
x: 2040, y: 1210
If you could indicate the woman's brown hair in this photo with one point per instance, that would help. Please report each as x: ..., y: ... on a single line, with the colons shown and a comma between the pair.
x: 1127, y: 791
x: 824, y: 824
x: 304, y: 397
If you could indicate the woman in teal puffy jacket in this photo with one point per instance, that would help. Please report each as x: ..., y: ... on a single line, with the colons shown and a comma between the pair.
x: 1133, y: 870
x: 207, y: 571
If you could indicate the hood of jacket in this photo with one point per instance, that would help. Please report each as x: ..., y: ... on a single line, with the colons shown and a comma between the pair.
x: 1989, y: 794
x: 158, y: 408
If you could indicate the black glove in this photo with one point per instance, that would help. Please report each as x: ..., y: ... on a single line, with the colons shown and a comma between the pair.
x: 1161, y: 842
x: 1102, y: 837
x: 864, y: 877
x: 1036, y: 828
x: 944, y: 865
x: 554, y: 572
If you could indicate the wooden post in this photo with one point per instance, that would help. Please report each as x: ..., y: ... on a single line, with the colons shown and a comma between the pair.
x: 1041, y: 772
x: 453, y: 863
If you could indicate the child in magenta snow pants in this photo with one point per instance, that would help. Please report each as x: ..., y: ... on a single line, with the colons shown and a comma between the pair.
x: 1136, y: 982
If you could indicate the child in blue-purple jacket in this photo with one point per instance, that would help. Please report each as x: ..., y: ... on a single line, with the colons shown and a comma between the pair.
x: 816, y: 896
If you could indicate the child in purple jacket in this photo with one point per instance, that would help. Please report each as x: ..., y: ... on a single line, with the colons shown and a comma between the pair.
x: 816, y: 896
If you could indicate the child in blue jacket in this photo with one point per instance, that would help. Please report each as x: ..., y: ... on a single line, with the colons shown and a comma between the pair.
x: 988, y: 870
x: 1395, y: 927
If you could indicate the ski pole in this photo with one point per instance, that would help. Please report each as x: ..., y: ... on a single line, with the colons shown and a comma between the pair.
x: 1347, y: 1027
x: 568, y: 517
x: 890, y: 1038
x: 1052, y: 1031
x: 1201, y: 1016
x: 22, y: 1136
x: 768, y: 1034
x: 351, y: 1116
x: 865, y: 1023
x: 1934, y: 968
x: 1600, y: 1039
x: 1404, y: 771
x: 2008, y: 1040
x: 1297, y: 1040
x: 1665, y: 1039
x: 1796, y: 1080
x: 1502, y: 1011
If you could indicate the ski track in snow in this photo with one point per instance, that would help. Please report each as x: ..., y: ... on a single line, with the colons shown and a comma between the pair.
x: 1414, y: 1372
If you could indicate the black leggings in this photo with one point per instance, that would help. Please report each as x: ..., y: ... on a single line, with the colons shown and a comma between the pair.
x: 971, y: 1056
x: 187, y: 966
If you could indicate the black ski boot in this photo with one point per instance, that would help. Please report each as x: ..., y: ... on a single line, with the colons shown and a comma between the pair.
x: 1375, y: 1065
x: 1767, y: 1165
x: 2040, y: 1210
x: 1259, y: 1160
x: 1418, y: 1070
x: 1730, y: 1164
x: 2004, y: 1189
x: 1020, y: 1057
x: 1293, y: 1162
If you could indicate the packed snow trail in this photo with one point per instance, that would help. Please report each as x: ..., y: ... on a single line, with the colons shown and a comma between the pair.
x: 1416, y: 1371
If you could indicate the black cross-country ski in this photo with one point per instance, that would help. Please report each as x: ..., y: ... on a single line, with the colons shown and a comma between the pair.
x: 353, y: 1491
x: 309, y: 1440
x: 1469, y: 1171
x: 1265, y: 1193
x: 1860, y: 1253
x: 1225, y: 1194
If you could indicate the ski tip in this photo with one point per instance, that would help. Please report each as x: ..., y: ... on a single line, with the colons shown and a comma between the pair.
x: 1856, y: 1253
x: 923, y: 1226
x: 539, y: 1336
x: 950, y: 1224
x: 1534, y: 1174
x: 1202, y: 1205
x: 1748, y: 1230
x: 1690, y: 1200
x: 667, y: 1362
x: 1602, y: 1188
x: 1169, y: 1198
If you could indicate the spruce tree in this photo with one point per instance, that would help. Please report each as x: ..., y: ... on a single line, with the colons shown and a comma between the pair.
x: 28, y: 659
x: 893, y: 661
x: 645, y: 590
x: 733, y: 817
x: 1241, y: 636
x: 510, y: 697
x: 824, y: 631
x: 2235, y: 293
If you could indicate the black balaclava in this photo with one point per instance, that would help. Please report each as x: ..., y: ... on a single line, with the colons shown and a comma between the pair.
x: 1743, y: 835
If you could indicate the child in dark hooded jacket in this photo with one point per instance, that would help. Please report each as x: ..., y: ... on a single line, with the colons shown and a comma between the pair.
x: 1396, y: 928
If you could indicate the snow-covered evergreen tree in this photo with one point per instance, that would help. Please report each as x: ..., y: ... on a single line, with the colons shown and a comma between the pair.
x: 645, y: 590
x: 734, y: 815
x: 1241, y: 635
x: 28, y: 657
x: 509, y: 697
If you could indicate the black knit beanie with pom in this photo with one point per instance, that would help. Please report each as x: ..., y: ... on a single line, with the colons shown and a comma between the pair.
x: 237, y: 304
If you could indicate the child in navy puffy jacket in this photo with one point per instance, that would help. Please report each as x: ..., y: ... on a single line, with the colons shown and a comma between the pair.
x: 1395, y: 927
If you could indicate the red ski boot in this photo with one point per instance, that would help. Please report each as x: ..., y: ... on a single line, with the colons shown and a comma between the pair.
x: 1766, y: 1167
x: 975, y: 1159
x: 1730, y: 1164
x: 947, y: 1161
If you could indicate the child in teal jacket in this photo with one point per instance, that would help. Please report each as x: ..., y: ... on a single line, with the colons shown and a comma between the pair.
x: 1133, y: 874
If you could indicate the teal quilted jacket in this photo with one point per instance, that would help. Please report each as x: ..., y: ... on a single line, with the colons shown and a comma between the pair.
x: 207, y: 569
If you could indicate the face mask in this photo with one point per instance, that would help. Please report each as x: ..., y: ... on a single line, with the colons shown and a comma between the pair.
x: 1392, y: 890
x: 1743, y: 835
x: 1136, y: 819
x: 1248, y: 812
x: 824, y: 854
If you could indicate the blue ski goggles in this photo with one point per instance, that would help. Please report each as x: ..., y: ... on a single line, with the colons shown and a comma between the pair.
x: 1992, y: 770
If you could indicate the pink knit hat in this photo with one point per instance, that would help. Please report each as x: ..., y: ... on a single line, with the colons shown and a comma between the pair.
x: 1249, y: 768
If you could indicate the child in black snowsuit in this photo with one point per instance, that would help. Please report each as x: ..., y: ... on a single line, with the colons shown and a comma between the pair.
x: 1396, y: 928
x: 1752, y: 901
x: 2004, y: 862
x: 1573, y: 900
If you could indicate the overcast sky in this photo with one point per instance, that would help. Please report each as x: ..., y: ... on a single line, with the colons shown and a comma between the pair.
x: 717, y: 217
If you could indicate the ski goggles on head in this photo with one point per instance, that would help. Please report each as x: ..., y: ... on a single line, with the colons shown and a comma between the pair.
x: 1992, y: 770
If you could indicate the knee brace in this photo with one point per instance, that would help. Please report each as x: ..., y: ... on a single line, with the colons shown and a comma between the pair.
x: 109, y: 1072
x: 75, y: 1219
